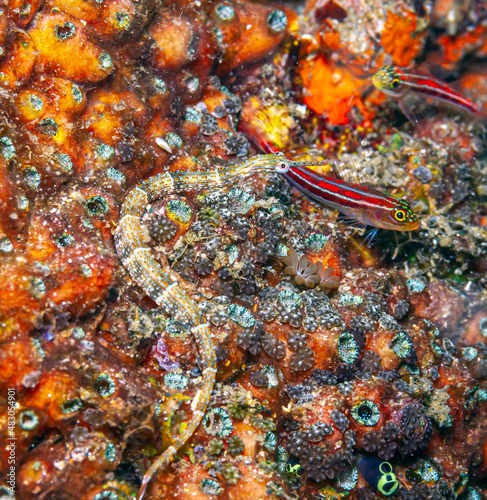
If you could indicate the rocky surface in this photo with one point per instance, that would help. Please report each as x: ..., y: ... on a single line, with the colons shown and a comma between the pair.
x: 99, y: 95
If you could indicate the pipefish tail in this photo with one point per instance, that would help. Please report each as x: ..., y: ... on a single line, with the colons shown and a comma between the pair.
x: 143, y: 268
x: 371, y: 207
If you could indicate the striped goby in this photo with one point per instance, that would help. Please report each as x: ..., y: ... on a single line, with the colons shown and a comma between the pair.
x: 368, y: 205
x: 396, y: 83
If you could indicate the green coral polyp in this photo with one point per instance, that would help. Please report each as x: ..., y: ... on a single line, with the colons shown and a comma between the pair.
x: 109, y: 495
x: 347, y: 348
x: 176, y: 329
x: 37, y: 288
x: 366, y: 413
x: 231, y: 474
x: 105, y: 385
x: 65, y: 31
x: 105, y: 61
x: 179, y: 210
x: 193, y: 116
x: 36, y: 102
x: 217, y: 422
x: 270, y: 441
x: 116, y: 175
x: 6, y: 245
x: 97, y: 205
x: 241, y: 201
x: 240, y: 315
x: 176, y: 380
x: 31, y: 177
x: 71, y: 406
x: 105, y: 152
x: 347, y: 479
x: 78, y: 332
x: 28, y: 420
x: 210, y: 487
x: 77, y: 94
x: 49, y: 127
x: 110, y: 453
x: 232, y: 252
x: 64, y: 161
x: 225, y: 12
x: 289, y: 299
x: 316, y: 241
x: 349, y: 299
x: 173, y: 140
x: 64, y: 240
x: 122, y: 20
x: 160, y: 86
x: 402, y: 345
x: 277, y: 21
x: 7, y: 148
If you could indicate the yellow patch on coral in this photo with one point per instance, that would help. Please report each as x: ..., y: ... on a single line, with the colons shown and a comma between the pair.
x: 31, y: 104
x: 57, y: 38
x: 271, y: 124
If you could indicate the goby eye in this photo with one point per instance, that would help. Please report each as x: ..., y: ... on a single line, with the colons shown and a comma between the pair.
x: 400, y: 215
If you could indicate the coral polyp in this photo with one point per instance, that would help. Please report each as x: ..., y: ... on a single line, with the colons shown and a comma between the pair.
x: 366, y: 413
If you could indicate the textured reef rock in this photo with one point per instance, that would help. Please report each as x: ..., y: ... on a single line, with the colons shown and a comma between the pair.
x: 98, y: 95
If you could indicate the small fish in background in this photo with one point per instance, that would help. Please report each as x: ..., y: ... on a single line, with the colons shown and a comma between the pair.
x: 379, y: 474
x: 294, y: 467
x: 397, y: 83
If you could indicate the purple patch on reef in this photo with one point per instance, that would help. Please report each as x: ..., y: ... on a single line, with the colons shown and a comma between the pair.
x: 48, y: 334
x: 162, y: 355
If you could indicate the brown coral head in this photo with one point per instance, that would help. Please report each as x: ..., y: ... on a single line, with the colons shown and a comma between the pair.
x: 303, y: 270
x: 328, y: 281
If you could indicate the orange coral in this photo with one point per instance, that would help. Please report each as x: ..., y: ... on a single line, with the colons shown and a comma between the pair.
x: 55, y: 389
x: 172, y: 41
x: 250, y: 35
x: 17, y: 358
x: 401, y: 38
x: 17, y: 68
x: 454, y: 48
x: 57, y: 38
x: 331, y: 89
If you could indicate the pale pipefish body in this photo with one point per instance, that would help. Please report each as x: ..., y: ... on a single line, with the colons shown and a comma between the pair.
x: 163, y: 288
x: 137, y: 258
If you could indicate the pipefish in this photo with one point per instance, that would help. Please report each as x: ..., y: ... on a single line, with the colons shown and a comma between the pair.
x: 369, y: 206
